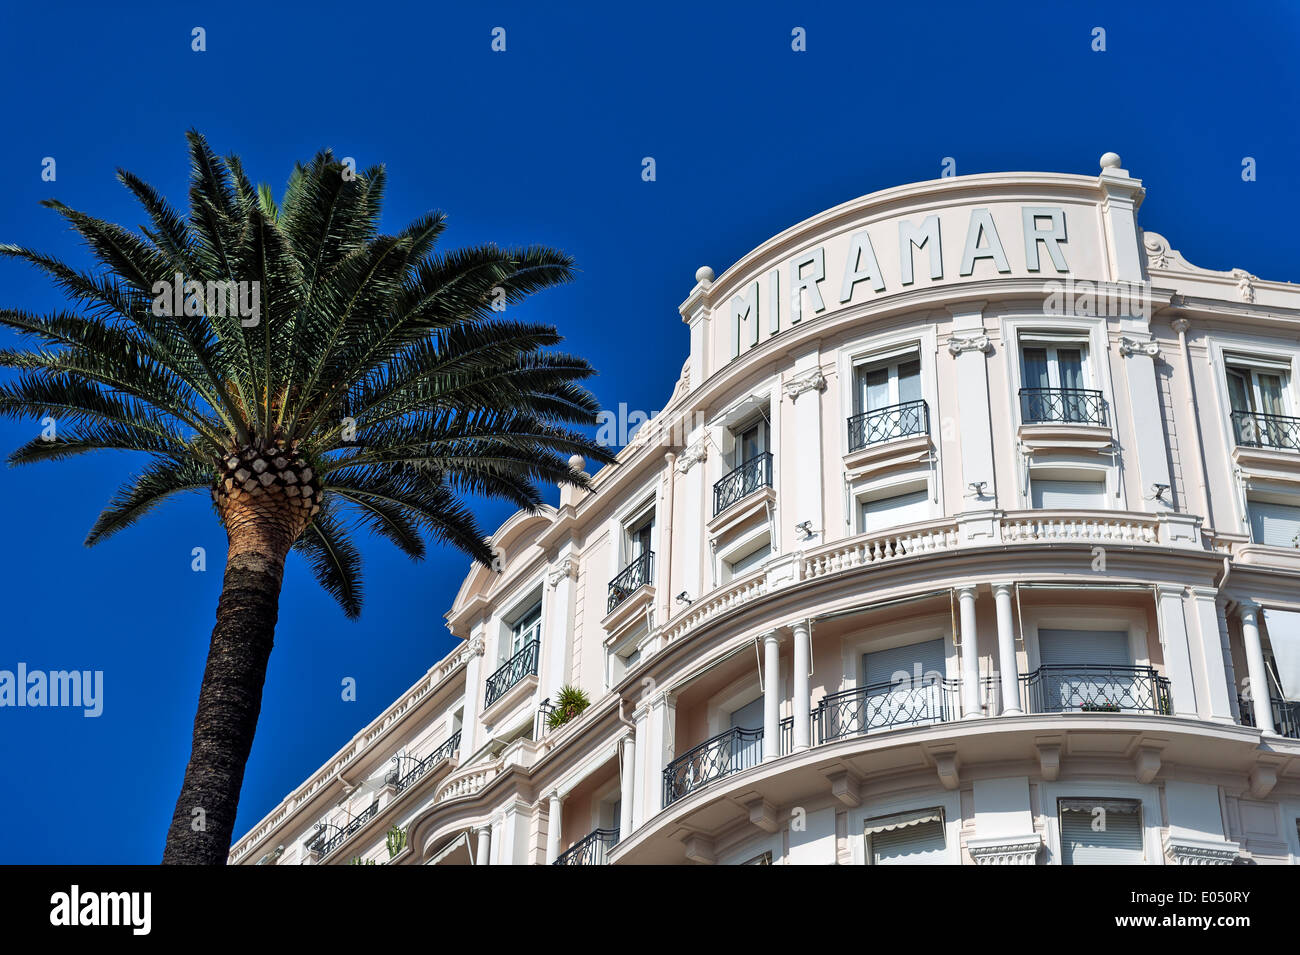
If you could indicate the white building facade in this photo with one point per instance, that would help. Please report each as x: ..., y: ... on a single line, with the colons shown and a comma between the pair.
x: 970, y: 534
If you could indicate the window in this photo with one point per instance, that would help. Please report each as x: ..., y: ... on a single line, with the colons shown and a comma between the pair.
x: 887, y: 401
x: 1101, y: 831
x: 1260, y: 399
x: 751, y: 465
x: 895, y: 511
x: 640, y: 534
x: 751, y: 441
x: 1054, y: 379
x: 740, y: 565
x: 1089, y: 670
x: 764, y: 859
x: 638, y: 559
x: 906, y: 838
x: 526, y: 629
x: 1048, y: 493
x: 1277, y: 525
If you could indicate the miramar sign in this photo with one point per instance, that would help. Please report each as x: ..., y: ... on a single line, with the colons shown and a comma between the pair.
x: 1042, y: 231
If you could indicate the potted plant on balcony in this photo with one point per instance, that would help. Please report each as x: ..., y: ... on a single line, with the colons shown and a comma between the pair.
x: 1100, y: 706
x: 396, y: 841
x: 570, y: 701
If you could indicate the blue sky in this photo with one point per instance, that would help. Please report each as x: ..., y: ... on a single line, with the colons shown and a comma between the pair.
x: 541, y: 143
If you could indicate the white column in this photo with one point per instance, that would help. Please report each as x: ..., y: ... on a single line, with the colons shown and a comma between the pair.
x: 771, y: 695
x: 481, y: 856
x: 802, y: 690
x: 556, y: 634
x: 1207, y: 645
x: 801, y: 426
x: 1178, y: 658
x: 1007, y: 670
x: 659, y: 750
x: 627, y: 790
x: 643, y: 805
x: 469, y: 729
x: 1259, y: 694
x: 554, y: 814
x: 968, y: 346
x: 970, y: 659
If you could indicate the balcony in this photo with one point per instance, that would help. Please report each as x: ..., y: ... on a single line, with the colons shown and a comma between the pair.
x: 446, y: 751
x: 631, y: 578
x: 904, y: 420
x: 1061, y: 688
x: 1266, y: 431
x: 592, y: 849
x: 1286, y: 716
x: 754, y: 474
x: 520, y: 666
x: 883, y: 706
x: 1062, y: 406
x: 323, y: 847
x: 729, y: 752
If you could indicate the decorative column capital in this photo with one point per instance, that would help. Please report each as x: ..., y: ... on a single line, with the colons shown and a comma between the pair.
x: 969, y: 343
x: 772, y: 636
x: 1247, y: 608
x: 566, y: 566
x: 1003, y: 589
x: 476, y: 646
x: 1180, y: 326
x: 1136, y: 346
x: 692, y: 455
x: 812, y: 380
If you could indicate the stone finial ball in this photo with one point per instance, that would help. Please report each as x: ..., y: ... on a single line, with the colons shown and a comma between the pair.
x: 577, y: 462
x: 1110, y: 161
x: 704, y: 274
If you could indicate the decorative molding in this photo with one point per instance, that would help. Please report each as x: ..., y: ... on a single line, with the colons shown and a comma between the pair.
x: 566, y: 566
x: 1183, y: 850
x: 1136, y: 346
x: 1005, y: 850
x: 812, y: 380
x: 1180, y: 326
x: 476, y: 646
x: 1245, y: 286
x: 979, y: 343
x: 692, y: 455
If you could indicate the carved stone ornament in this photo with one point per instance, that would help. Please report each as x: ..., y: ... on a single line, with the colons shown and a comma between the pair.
x: 564, y: 567
x: 1136, y: 346
x: 979, y: 343
x: 808, y: 381
x: 1005, y: 850
x: 692, y: 455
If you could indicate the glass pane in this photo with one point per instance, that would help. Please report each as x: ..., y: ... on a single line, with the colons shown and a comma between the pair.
x: 1270, y: 394
x: 1239, y: 391
x: 875, y: 389
x: 1070, y: 367
x: 1035, y: 371
x: 909, y: 381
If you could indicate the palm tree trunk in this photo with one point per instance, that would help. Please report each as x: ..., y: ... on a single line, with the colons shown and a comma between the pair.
x: 230, y: 698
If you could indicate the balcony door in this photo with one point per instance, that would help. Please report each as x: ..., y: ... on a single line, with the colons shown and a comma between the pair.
x: 1087, y: 670
x: 747, y: 748
x: 902, y: 686
x: 885, y: 384
x: 1260, y: 407
x: 1054, y: 379
x: 751, y: 441
x: 525, y: 630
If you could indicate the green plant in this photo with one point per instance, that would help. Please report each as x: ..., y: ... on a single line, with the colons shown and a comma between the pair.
x: 312, y: 375
x: 356, y: 860
x: 570, y: 701
x: 396, y: 841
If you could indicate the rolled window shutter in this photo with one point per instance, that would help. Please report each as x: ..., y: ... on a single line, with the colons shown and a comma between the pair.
x: 1119, y: 843
x: 1079, y: 647
x: 913, y: 845
x: 1274, y: 524
x: 1068, y: 494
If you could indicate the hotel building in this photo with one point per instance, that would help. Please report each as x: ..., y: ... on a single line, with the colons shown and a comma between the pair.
x: 969, y: 534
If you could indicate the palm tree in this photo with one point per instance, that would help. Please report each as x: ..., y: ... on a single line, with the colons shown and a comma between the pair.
x: 315, y: 376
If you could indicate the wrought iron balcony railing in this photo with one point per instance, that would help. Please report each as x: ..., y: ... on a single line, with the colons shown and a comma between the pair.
x: 1266, y: 430
x: 729, y: 752
x: 1069, y: 688
x: 445, y: 751
x: 592, y: 849
x: 1062, y: 406
x: 522, y: 664
x: 883, y: 706
x: 326, y: 846
x: 886, y: 424
x: 1286, y: 716
x: 743, y: 481
x: 631, y: 579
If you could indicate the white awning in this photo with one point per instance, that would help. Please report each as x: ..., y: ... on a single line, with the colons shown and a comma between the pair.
x: 457, y: 853
x: 902, y: 820
x: 1284, y: 635
x: 1092, y: 805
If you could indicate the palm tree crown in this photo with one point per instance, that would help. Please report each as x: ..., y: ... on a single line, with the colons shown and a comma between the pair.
x: 315, y: 375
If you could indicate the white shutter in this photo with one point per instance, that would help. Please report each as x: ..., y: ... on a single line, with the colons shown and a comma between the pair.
x: 750, y: 560
x: 1079, y: 647
x: 1068, y: 494
x: 1284, y: 638
x: 1274, y: 524
x: 749, y: 716
x: 912, y: 845
x: 887, y: 512
x: 1118, y: 842
x: 881, y: 665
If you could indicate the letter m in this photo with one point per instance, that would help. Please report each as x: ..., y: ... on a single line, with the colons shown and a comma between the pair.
x: 744, y: 309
